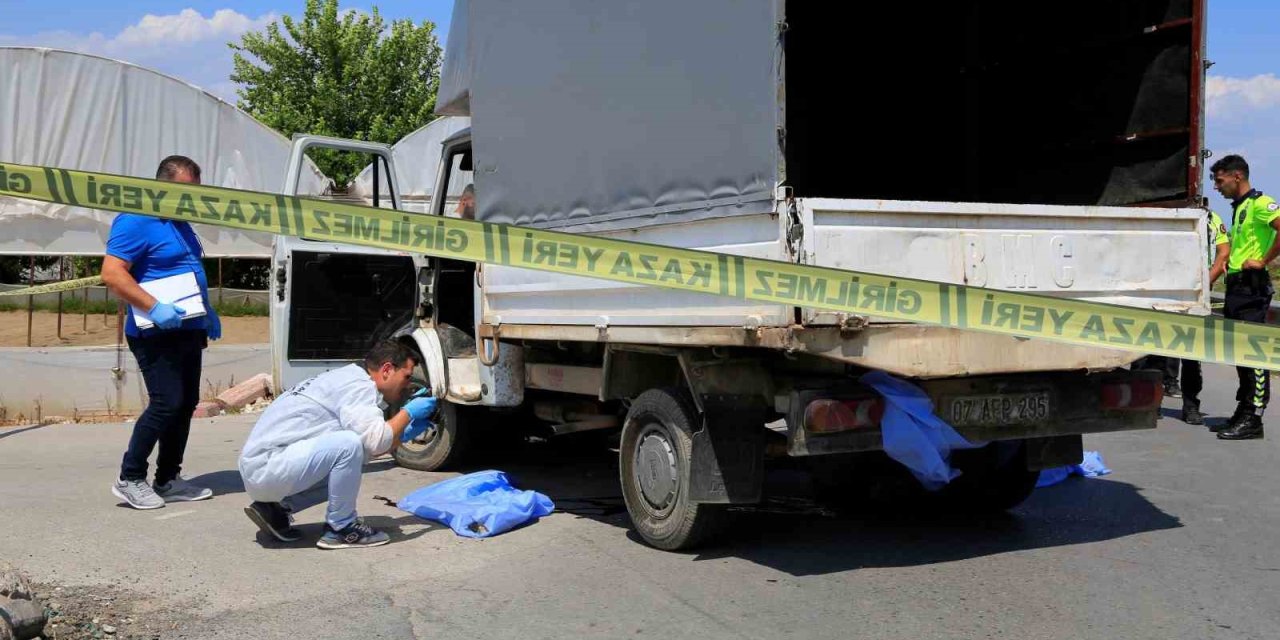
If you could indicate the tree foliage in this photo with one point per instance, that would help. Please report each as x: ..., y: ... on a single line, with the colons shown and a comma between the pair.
x: 339, y: 73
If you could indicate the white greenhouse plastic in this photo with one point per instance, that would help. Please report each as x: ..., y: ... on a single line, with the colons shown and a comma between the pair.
x: 77, y: 111
x: 417, y: 160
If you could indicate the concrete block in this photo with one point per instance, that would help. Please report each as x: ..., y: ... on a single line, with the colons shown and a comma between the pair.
x: 207, y: 410
x: 22, y: 619
x: 239, y: 396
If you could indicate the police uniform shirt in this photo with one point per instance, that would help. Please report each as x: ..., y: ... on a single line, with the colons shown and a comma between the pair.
x: 1251, y: 231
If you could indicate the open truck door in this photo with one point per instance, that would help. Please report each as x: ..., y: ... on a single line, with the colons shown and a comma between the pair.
x: 330, y: 302
x: 456, y: 366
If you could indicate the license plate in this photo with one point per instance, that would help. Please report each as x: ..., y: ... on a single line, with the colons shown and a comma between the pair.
x: 998, y: 410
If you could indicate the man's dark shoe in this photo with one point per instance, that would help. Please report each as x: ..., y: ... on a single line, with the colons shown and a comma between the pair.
x: 1172, y: 389
x: 1191, y: 413
x: 356, y: 534
x: 1248, y: 429
x: 273, y: 518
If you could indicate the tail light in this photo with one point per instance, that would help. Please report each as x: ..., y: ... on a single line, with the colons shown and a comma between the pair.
x: 1132, y: 396
x: 833, y: 416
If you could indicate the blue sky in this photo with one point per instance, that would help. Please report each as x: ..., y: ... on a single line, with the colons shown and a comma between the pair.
x: 188, y: 40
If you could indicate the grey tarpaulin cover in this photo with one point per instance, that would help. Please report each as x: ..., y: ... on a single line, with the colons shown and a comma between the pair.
x: 602, y: 115
x: 453, y: 98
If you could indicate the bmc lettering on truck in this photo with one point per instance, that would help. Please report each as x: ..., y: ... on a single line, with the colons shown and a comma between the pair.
x: 1023, y: 260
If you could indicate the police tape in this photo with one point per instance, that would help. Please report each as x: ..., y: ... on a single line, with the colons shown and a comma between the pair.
x: 55, y: 287
x: 1205, y: 338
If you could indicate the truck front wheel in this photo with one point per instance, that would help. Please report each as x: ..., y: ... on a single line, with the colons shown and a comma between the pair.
x: 654, y: 459
x: 438, y: 448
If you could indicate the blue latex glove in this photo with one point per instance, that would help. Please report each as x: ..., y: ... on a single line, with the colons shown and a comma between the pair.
x: 213, y: 325
x: 416, y: 428
x: 420, y: 408
x: 166, y: 315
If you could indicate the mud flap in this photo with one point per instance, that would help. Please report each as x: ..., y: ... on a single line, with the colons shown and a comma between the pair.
x: 727, y: 465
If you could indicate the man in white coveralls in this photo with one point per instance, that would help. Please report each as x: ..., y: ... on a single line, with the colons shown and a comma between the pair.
x: 326, y: 427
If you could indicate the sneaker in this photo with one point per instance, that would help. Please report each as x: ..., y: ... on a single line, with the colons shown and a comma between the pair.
x: 1191, y: 413
x: 179, y: 490
x: 137, y: 494
x: 273, y: 518
x: 356, y: 534
x: 1172, y: 389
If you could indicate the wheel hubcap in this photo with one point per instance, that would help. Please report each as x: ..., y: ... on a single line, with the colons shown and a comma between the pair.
x: 656, y: 470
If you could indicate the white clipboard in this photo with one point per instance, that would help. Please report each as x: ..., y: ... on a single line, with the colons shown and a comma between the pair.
x: 181, y: 290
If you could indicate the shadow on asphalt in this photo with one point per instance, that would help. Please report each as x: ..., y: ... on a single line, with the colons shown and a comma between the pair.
x: 401, y: 529
x: 222, y: 483
x: 1176, y: 416
x: 16, y: 431
x: 791, y: 532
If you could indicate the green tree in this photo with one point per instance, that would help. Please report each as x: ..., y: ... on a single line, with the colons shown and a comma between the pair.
x: 17, y: 269
x: 339, y: 73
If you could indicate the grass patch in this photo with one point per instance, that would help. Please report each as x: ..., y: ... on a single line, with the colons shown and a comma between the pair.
x: 241, y: 309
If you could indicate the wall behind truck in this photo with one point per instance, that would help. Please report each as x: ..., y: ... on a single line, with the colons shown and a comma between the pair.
x: 61, y: 381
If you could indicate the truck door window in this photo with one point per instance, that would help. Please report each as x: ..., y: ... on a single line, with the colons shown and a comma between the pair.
x: 460, y: 196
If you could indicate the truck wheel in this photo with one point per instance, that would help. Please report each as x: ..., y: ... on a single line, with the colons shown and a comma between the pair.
x: 994, y: 478
x: 656, y: 447
x: 438, y: 448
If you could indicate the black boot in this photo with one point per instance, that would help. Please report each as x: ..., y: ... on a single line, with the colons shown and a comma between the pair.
x: 1242, y: 411
x: 1191, y: 412
x: 1249, y: 428
x: 1172, y: 389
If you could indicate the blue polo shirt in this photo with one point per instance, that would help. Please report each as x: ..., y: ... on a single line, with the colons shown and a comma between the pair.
x: 157, y: 248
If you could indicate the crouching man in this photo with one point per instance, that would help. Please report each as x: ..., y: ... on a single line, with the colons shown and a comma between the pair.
x: 326, y: 427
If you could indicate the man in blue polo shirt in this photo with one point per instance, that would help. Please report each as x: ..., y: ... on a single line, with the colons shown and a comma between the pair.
x: 141, y: 249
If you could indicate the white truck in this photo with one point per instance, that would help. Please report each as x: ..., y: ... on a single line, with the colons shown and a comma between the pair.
x: 1008, y: 145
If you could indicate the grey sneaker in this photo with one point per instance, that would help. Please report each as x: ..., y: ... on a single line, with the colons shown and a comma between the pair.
x: 357, y: 534
x: 179, y: 490
x: 137, y: 494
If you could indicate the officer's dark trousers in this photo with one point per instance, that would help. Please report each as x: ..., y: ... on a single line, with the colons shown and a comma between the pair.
x: 1248, y: 298
x: 1192, y: 382
x: 1168, y: 367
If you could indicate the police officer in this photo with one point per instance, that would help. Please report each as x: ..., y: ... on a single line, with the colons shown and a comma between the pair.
x: 1218, y: 251
x: 1254, y: 221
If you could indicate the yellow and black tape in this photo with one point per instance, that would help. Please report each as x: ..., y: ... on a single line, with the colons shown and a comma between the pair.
x: 54, y: 287
x: 1209, y: 339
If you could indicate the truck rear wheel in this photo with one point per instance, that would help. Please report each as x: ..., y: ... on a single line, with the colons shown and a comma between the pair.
x: 994, y: 478
x: 438, y: 448
x: 654, y: 462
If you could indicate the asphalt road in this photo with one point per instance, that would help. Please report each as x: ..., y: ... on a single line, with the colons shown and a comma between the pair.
x: 1179, y: 542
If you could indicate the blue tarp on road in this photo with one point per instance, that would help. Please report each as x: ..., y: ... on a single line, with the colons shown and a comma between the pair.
x: 477, y: 505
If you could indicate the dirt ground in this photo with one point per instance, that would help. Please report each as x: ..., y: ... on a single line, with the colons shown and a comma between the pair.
x: 79, y: 331
x: 91, y: 613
